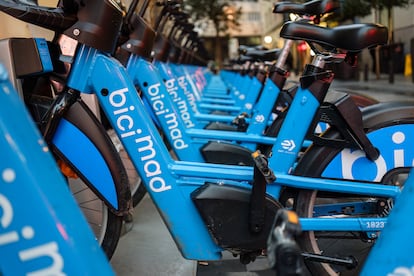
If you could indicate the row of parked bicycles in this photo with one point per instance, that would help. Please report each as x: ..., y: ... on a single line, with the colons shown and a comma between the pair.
x: 250, y: 164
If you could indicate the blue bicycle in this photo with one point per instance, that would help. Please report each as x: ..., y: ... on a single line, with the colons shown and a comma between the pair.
x: 85, y: 153
x: 42, y: 230
x: 232, y: 207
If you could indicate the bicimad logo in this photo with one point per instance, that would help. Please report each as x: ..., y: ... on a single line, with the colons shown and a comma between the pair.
x: 13, y: 233
x: 259, y: 118
x: 288, y: 145
x: 394, y: 145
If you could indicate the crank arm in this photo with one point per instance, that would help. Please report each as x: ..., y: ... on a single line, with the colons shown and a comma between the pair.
x: 349, y: 262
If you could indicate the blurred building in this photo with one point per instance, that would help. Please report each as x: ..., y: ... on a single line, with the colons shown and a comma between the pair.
x: 257, y: 26
x: 403, y: 39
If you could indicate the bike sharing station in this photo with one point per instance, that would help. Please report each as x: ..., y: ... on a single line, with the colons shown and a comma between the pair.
x: 305, y: 177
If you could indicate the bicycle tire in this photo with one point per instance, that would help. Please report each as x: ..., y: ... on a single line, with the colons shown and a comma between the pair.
x: 138, y: 189
x: 315, y: 163
x: 106, y: 226
x: 362, y: 100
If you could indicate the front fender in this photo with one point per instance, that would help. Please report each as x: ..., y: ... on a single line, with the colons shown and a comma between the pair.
x: 82, y: 142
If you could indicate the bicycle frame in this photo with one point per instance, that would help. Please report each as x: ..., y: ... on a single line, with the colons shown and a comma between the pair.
x: 185, y: 140
x: 170, y: 183
x: 42, y: 231
x: 261, y: 111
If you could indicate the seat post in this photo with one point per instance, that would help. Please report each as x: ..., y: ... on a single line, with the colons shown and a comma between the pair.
x: 281, y: 61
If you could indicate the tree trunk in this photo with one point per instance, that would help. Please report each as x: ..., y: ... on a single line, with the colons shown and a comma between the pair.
x: 390, y: 25
x: 218, y: 53
x: 377, y: 49
x: 390, y: 45
x: 377, y: 62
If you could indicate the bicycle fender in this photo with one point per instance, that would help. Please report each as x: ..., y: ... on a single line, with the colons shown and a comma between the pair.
x: 82, y: 141
x: 375, y: 114
x: 376, y: 117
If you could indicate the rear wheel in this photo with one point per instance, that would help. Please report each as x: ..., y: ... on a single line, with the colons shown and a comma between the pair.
x: 331, y: 244
x: 392, y: 138
x: 342, y: 244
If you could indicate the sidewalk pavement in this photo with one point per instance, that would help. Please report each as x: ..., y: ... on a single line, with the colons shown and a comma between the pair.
x: 381, y: 88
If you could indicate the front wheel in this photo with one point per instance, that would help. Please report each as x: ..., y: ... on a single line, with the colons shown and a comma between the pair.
x: 392, y: 135
x: 105, y: 225
x: 92, y: 167
x: 138, y: 190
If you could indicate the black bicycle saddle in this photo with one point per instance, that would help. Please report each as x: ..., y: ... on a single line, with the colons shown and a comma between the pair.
x: 262, y: 55
x: 351, y: 38
x: 314, y: 7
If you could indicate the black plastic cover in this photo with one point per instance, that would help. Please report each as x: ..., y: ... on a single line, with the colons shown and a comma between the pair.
x: 226, y: 153
x: 26, y: 57
x: 225, y: 211
x: 221, y: 126
x: 98, y: 25
x: 142, y: 38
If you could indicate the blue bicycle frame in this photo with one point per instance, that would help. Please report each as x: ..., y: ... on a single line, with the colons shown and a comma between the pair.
x: 185, y: 139
x: 170, y: 183
x: 248, y: 95
x: 42, y: 230
x: 260, y: 111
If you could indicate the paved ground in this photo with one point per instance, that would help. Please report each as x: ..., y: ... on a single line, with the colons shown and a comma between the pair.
x: 380, y: 89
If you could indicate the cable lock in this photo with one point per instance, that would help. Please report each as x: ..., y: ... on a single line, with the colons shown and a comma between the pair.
x: 263, y: 165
